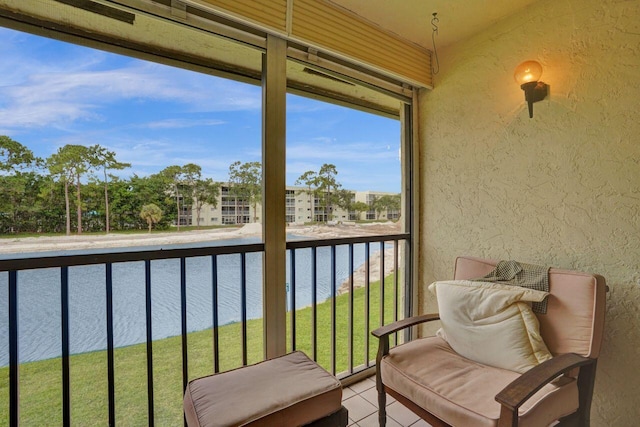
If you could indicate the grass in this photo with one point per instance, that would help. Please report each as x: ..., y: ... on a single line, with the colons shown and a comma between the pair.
x: 41, y: 382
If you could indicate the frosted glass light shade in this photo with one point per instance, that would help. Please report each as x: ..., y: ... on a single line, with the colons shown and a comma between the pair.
x: 528, y: 71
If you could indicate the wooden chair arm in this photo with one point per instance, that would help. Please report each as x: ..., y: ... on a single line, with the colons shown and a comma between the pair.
x: 404, y: 323
x: 526, y: 385
x: 382, y: 334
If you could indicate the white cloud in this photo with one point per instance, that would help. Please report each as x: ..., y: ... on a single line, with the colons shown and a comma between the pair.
x: 324, y: 139
x: 361, y: 152
x: 361, y: 166
x: 183, y: 123
x: 41, y: 93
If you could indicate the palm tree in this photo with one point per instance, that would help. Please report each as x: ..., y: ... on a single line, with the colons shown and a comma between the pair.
x: 151, y: 213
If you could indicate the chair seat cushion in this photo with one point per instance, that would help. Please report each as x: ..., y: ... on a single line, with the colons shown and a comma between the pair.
x: 461, y: 392
x: 288, y: 390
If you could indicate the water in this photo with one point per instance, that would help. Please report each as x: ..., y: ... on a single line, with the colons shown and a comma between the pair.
x: 39, y: 319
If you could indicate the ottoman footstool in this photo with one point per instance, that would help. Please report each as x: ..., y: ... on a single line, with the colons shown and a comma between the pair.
x: 291, y: 390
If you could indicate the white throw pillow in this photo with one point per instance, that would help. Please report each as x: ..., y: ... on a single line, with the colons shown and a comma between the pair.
x: 490, y: 324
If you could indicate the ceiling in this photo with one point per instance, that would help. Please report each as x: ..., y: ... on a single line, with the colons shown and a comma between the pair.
x: 411, y: 19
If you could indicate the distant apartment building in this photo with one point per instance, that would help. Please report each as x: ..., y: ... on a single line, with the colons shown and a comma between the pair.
x: 300, y: 207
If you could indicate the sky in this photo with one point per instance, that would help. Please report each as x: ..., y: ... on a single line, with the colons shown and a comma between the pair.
x: 152, y: 116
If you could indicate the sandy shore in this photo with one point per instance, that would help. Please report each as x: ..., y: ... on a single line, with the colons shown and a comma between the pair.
x: 359, y: 275
x: 96, y: 241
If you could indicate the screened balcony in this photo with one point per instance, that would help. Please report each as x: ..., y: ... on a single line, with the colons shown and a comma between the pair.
x: 112, y: 336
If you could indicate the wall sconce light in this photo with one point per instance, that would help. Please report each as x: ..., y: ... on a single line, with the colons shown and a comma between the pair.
x: 527, y: 75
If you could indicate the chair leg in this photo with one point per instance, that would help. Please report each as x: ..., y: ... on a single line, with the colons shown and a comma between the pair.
x: 382, y: 408
x: 382, y: 401
x: 383, y: 349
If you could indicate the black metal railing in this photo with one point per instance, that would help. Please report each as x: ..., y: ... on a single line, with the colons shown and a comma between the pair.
x: 13, y: 266
x: 358, y: 357
x: 394, y: 306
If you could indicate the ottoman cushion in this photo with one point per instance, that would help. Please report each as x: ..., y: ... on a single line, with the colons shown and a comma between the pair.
x: 290, y: 390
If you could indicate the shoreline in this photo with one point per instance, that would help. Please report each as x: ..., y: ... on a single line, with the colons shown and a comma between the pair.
x: 23, y: 245
x: 359, y: 274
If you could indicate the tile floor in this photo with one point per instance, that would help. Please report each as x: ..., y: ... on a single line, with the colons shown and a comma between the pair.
x: 361, y: 400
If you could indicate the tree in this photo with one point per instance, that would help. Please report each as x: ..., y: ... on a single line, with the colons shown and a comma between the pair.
x: 205, y: 191
x: 190, y: 175
x: 151, y: 213
x: 69, y: 163
x: 51, y: 217
x: 14, y: 156
x: 310, y: 179
x: 181, y: 179
x: 323, y: 185
x: 172, y: 175
x: 20, y: 202
x: 386, y: 203
x: 245, y: 181
x: 344, y: 199
x: 327, y: 185
x: 101, y: 157
x: 360, y: 207
x: 18, y: 189
x: 129, y: 197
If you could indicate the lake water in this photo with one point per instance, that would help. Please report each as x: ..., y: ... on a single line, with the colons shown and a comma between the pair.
x: 39, y: 322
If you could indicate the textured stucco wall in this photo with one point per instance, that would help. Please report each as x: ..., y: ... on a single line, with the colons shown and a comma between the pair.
x: 561, y: 189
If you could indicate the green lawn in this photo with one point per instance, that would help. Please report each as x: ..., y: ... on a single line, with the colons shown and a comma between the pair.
x: 41, y: 383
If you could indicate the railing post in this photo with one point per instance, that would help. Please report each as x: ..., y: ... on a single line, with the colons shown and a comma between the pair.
x: 292, y: 290
x: 314, y: 303
x: 66, y: 383
x: 183, y: 316
x: 149, y: 328
x: 214, y: 312
x: 333, y: 309
x: 243, y: 305
x: 110, y: 345
x: 351, y: 274
x: 367, y: 301
x: 14, y: 377
x: 382, y: 294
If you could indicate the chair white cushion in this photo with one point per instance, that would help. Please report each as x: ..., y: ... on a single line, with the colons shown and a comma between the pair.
x: 491, y: 323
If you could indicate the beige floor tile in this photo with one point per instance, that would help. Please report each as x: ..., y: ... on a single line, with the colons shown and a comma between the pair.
x: 359, y: 408
x: 401, y: 414
x: 363, y: 385
x: 372, y: 421
x: 371, y: 395
x: 421, y: 423
x: 347, y: 393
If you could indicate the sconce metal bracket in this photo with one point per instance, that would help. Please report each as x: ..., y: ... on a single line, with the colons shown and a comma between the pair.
x: 534, y: 92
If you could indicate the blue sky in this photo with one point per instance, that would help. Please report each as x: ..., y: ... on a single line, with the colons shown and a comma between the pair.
x: 152, y: 116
